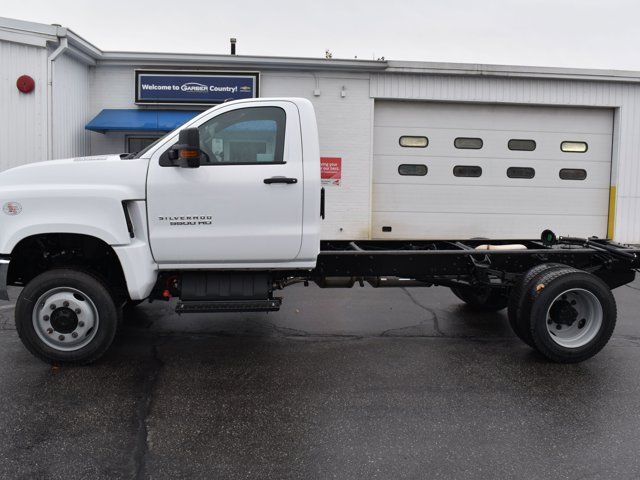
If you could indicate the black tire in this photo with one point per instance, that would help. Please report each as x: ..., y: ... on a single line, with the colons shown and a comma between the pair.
x: 482, y: 299
x: 549, y: 287
x: 108, y: 316
x: 516, y: 298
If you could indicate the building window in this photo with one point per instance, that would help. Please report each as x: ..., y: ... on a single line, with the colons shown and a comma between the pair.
x: 574, y: 147
x: 416, y: 170
x: 522, y: 145
x: 413, y: 142
x: 135, y: 144
x: 468, y: 143
x: 244, y: 136
x: 467, y: 171
x: 573, y: 174
x: 521, y: 172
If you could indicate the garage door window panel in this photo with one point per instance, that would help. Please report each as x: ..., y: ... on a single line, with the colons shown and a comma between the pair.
x: 574, y: 147
x: 416, y: 170
x: 573, y: 174
x: 521, y: 172
x: 411, y: 141
x: 522, y: 145
x: 244, y: 137
x: 466, y: 143
x: 471, y: 171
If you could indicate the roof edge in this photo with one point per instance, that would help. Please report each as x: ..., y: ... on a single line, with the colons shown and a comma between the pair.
x: 445, y: 68
x: 151, y: 58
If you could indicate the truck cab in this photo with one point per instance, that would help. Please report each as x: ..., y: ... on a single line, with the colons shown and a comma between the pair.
x: 250, y: 198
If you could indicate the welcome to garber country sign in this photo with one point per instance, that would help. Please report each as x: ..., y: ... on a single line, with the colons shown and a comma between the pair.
x: 204, y: 88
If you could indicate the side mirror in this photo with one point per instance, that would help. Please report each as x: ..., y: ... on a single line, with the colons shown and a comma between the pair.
x: 187, y: 151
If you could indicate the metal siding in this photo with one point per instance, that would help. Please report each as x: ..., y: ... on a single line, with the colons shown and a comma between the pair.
x: 23, y: 118
x: 70, y: 107
x: 625, y: 97
x: 109, y: 87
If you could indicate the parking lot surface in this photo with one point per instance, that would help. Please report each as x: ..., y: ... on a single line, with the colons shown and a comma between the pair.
x: 361, y: 383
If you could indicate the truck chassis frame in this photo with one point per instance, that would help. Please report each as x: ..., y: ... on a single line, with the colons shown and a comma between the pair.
x: 452, y: 262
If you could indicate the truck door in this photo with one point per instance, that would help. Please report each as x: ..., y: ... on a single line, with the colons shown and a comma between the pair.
x: 244, y: 204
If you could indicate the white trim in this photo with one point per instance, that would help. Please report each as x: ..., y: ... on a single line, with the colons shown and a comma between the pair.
x: 23, y: 38
x: 32, y: 27
x: 64, y: 45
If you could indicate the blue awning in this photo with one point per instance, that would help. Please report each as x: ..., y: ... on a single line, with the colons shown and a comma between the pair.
x: 133, y: 120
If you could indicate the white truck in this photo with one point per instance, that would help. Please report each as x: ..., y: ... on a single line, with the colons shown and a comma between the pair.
x: 226, y: 210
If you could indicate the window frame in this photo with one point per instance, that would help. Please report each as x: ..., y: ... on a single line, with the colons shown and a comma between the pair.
x: 140, y: 136
x: 413, y: 146
x: 535, y: 144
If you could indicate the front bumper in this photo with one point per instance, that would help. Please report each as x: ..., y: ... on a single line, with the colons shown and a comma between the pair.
x: 4, y: 269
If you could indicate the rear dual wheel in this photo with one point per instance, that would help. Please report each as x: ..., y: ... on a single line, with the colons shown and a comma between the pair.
x: 568, y: 315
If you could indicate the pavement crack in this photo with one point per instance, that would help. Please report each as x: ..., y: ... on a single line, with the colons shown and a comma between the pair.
x: 430, y: 311
x: 143, y: 409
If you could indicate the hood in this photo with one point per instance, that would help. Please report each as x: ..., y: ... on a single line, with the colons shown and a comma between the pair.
x: 77, y: 196
x: 112, y: 172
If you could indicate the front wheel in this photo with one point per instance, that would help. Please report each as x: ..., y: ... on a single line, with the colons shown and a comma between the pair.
x: 66, y: 316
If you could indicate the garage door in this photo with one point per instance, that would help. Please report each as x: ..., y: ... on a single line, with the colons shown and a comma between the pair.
x: 474, y: 170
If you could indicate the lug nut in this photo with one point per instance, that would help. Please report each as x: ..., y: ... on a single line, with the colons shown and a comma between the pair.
x: 74, y: 334
x: 53, y: 306
x: 65, y: 304
x: 49, y: 331
x: 582, y: 323
x: 558, y: 327
x: 61, y: 338
x: 549, y: 321
x: 81, y: 323
x: 45, y: 318
x: 78, y: 311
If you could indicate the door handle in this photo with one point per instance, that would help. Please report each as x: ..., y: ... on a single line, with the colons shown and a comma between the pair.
x: 286, y: 180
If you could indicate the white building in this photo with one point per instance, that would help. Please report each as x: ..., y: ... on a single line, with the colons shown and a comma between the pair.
x: 426, y: 150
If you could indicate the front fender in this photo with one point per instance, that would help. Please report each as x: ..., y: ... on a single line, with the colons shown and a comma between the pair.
x: 97, y: 216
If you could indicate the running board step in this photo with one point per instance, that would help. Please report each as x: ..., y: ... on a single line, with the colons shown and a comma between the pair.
x: 269, y: 305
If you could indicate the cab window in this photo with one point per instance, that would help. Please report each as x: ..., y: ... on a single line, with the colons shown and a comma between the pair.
x: 251, y: 135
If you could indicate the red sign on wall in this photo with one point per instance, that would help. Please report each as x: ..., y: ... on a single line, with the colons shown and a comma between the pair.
x: 330, y: 170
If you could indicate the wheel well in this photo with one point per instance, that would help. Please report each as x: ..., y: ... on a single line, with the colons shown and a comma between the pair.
x: 39, y: 253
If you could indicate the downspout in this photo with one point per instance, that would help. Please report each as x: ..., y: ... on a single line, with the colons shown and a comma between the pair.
x: 64, y: 45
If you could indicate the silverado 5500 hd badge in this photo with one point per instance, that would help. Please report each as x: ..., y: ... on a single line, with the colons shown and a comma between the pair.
x: 187, y: 220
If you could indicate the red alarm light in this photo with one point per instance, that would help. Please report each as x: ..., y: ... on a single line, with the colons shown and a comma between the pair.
x: 25, y: 84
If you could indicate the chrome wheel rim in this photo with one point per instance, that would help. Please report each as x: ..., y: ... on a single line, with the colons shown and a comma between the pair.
x: 65, y: 319
x: 574, y: 318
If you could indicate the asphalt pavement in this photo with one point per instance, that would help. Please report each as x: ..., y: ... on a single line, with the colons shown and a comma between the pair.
x: 360, y: 383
